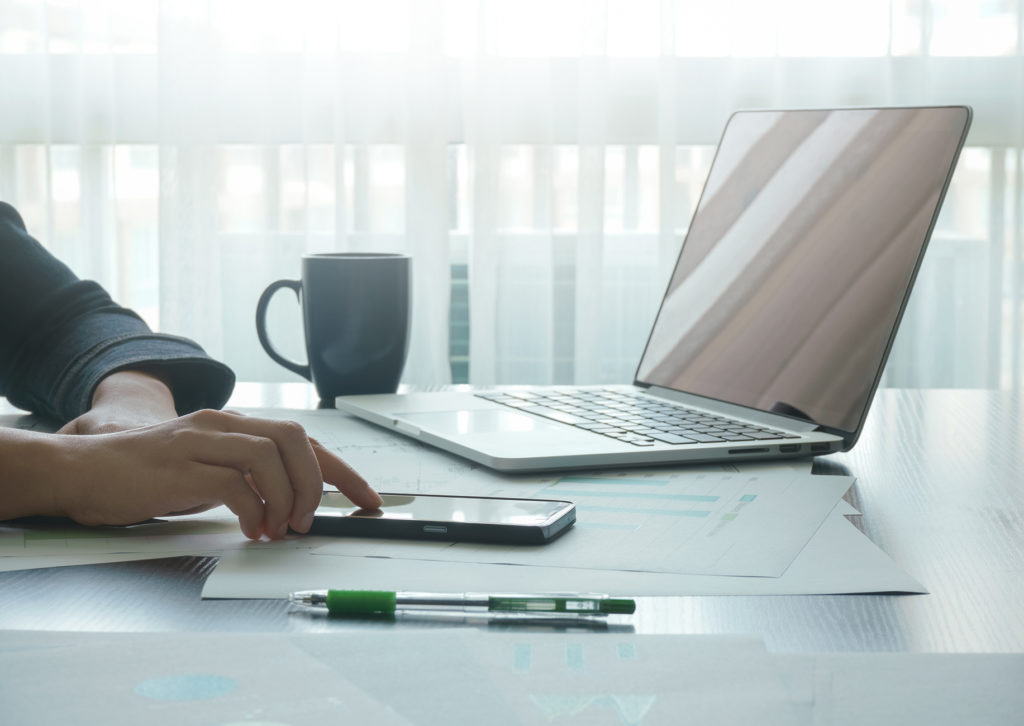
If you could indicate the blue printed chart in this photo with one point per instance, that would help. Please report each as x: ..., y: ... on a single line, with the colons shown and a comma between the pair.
x: 714, y: 519
x: 746, y: 523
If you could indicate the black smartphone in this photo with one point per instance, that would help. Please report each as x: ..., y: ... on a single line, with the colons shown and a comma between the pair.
x: 441, y: 517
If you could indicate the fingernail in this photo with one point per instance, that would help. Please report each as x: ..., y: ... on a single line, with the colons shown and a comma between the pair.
x: 282, y: 531
x: 306, y: 522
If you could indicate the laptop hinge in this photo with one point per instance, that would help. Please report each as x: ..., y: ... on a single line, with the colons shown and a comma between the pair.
x: 765, y: 418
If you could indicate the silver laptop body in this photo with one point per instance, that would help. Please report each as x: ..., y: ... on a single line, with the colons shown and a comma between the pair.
x: 779, y: 315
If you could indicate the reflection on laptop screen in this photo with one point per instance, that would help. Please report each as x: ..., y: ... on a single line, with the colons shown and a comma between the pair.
x: 799, y: 258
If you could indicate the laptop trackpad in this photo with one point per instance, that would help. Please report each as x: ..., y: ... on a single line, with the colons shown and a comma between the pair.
x: 477, y: 421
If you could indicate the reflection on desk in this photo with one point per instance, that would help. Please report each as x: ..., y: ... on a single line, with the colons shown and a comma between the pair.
x: 454, y: 677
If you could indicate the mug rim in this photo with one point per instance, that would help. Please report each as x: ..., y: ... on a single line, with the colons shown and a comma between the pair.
x: 353, y: 255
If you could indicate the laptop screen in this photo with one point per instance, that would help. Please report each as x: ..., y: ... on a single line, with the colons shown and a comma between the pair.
x: 800, y: 256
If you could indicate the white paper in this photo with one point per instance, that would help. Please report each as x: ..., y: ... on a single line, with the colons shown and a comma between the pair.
x: 847, y: 509
x: 11, y: 564
x: 719, y: 519
x: 838, y: 559
x: 63, y: 544
x: 749, y: 523
x: 213, y: 530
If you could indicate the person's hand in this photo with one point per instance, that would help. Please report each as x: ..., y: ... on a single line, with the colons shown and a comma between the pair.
x: 270, y: 474
x: 124, y: 400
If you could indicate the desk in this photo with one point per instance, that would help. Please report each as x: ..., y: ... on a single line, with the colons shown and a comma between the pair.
x: 940, y: 485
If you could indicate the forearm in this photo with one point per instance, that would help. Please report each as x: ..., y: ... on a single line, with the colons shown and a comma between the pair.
x: 36, y: 468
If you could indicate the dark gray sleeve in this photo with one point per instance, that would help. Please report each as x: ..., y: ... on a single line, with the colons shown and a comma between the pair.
x: 60, y: 336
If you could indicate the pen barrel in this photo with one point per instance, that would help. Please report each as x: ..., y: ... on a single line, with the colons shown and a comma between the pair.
x: 468, y: 602
x: 569, y: 605
x: 382, y: 602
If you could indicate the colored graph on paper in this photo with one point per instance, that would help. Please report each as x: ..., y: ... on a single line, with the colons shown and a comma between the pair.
x: 695, y: 522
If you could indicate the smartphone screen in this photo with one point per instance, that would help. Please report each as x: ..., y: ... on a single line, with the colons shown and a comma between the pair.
x: 422, y: 516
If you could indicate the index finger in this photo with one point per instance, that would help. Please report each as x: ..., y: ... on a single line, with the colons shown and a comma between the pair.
x: 297, y: 455
x: 342, y: 476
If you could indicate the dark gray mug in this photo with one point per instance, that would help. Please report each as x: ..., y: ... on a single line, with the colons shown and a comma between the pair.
x: 355, y: 310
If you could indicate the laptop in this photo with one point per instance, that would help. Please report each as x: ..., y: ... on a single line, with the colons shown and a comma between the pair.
x: 778, y: 318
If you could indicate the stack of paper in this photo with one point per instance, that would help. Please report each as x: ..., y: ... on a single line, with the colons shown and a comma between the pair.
x: 716, y: 529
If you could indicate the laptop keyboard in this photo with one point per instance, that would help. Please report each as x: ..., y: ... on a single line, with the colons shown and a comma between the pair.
x: 632, y: 417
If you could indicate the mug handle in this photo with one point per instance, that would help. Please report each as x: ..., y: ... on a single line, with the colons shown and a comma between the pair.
x: 261, y: 326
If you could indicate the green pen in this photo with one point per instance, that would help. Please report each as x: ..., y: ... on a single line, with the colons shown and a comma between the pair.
x: 362, y: 603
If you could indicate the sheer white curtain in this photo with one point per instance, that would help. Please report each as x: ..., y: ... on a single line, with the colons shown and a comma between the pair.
x: 539, y: 160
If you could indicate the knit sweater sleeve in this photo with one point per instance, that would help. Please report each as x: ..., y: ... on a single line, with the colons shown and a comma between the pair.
x: 60, y: 336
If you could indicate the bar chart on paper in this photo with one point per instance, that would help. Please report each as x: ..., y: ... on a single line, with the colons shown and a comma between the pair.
x: 750, y: 523
x: 708, y: 520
